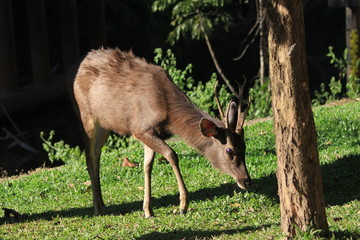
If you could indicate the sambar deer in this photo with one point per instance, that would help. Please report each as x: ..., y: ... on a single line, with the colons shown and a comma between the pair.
x: 117, y: 91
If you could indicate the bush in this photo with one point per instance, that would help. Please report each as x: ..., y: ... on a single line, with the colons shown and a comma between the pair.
x: 260, y: 96
x: 59, y: 151
x: 334, y: 90
x: 201, y: 94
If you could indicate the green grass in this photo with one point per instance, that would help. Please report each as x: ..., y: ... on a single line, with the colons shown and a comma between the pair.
x: 58, y: 204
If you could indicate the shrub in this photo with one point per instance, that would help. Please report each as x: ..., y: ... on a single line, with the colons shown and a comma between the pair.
x: 334, y: 89
x: 201, y: 94
x: 260, y: 96
x: 59, y: 151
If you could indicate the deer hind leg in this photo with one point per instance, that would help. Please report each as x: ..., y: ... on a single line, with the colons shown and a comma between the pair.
x: 96, y: 138
x: 159, y: 146
x: 148, y: 165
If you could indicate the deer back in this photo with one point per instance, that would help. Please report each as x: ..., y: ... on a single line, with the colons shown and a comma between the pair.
x: 125, y: 93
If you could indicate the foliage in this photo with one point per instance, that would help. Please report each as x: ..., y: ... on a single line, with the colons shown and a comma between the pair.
x: 58, y: 201
x: 324, y: 95
x: 339, y: 63
x: 167, y: 61
x: 203, y: 96
x: 59, y: 151
x: 200, y: 94
x: 334, y: 90
x: 353, y: 86
x: 194, y: 17
x: 260, y: 95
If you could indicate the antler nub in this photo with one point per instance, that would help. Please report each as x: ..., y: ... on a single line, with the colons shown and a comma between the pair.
x: 218, y: 102
x: 242, y: 113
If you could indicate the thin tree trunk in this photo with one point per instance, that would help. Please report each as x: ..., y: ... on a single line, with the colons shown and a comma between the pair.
x: 261, y: 41
x: 218, y: 68
x: 213, y: 57
x: 299, y: 176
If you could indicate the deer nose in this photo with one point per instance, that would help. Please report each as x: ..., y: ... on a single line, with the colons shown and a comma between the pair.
x: 244, y: 183
x: 247, y: 183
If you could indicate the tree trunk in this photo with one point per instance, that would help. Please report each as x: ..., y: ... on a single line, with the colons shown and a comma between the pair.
x: 262, y: 40
x: 299, y: 176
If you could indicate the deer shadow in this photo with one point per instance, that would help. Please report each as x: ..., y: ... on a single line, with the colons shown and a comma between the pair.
x: 191, y: 234
x: 340, y: 179
x: 129, y: 207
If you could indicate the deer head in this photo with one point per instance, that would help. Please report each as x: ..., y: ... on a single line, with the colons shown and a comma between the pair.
x: 228, y: 150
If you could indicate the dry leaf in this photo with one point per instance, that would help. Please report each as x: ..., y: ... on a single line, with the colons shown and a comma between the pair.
x: 127, y: 163
x: 236, y: 205
x: 251, y: 210
x: 87, y: 183
x: 71, y: 185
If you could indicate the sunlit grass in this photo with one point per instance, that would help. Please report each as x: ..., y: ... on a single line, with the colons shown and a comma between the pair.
x: 58, y: 201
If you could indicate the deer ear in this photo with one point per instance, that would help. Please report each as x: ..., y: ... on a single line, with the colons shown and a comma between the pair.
x: 208, y: 128
x: 231, y: 116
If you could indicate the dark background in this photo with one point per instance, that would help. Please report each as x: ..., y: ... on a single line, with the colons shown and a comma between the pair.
x: 130, y: 24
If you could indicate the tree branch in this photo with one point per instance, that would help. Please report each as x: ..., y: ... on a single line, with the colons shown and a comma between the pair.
x: 217, y: 66
x: 213, y: 57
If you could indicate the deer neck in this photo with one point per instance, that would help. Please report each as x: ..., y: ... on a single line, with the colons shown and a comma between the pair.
x: 186, y: 123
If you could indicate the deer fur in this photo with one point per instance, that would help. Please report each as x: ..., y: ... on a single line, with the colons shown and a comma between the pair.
x: 117, y: 91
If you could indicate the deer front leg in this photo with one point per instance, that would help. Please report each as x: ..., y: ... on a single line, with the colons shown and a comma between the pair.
x: 184, y: 196
x: 149, y: 155
x: 159, y: 146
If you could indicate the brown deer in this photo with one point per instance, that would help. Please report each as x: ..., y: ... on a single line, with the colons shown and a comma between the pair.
x: 116, y: 91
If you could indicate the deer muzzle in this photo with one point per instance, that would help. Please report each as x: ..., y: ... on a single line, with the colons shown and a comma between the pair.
x: 244, y: 183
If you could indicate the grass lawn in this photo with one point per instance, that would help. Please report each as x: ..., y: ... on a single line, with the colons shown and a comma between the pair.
x: 58, y: 203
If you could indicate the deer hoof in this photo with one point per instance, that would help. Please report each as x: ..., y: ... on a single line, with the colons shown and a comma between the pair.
x: 149, y: 214
x: 183, y: 211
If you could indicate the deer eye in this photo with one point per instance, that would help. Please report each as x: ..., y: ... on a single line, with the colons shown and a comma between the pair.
x: 230, y: 152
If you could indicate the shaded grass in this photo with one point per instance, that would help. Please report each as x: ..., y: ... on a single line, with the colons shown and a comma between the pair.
x: 59, y: 204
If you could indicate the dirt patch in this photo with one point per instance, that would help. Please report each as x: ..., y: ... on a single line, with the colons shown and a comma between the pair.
x: 340, y: 102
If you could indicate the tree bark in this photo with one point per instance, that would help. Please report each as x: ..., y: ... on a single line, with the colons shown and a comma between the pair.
x: 298, y: 173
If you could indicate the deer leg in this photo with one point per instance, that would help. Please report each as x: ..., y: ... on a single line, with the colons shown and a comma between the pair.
x: 148, y: 164
x: 96, y: 137
x: 159, y: 146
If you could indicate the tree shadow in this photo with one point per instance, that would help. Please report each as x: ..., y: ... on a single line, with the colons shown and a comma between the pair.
x: 191, y: 234
x: 341, y: 182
